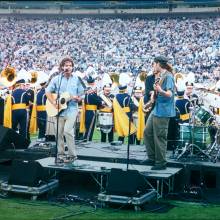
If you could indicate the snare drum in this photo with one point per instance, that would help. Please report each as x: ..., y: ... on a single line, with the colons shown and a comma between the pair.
x: 197, y: 135
x: 105, y: 121
x: 204, y: 115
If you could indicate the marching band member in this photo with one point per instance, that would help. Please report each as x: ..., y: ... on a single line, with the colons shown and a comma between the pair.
x: 123, y: 107
x: 40, y: 106
x: 193, y: 98
x: 2, y: 104
x: 182, y: 103
x: 8, y: 79
x: 137, y: 98
x: 20, y: 103
x: 107, y: 98
x: 216, y: 111
x: 92, y: 103
x: 31, y: 94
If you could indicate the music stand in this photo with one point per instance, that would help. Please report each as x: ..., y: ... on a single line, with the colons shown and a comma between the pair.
x: 189, y: 147
x: 57, y: 118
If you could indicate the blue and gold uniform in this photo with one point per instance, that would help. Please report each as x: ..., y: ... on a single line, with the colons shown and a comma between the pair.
x: 41, y: 112
x: 2, y: 103
x: 182, y: 108
x: 126, y: 103
x: 30, y: 93
x: 92, y: 103
x: 20, y: 102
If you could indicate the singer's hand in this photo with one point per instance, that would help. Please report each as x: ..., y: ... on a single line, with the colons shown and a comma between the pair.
x: 55, y: 106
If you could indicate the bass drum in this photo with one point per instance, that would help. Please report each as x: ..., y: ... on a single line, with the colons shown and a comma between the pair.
x: 197, y: 135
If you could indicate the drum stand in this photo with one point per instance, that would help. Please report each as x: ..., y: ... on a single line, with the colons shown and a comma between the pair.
x: 190, y: 147
x: 214, y: 149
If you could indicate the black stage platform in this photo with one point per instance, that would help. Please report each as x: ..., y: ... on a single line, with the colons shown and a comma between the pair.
x: 97, y: 159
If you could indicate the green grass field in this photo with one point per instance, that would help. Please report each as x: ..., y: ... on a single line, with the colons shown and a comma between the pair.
x: 20, y: 209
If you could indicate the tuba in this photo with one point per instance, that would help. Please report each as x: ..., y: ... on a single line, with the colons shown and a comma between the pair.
x: 34, y: 76
x: 8, y: 76
x: 114, y: 77
x: 178, y: 76
x: 143, y: 76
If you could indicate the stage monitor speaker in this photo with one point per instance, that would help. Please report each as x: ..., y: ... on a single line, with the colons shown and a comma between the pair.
x: 123, y: 183
x: 10, y: 139
x: 28, y: 173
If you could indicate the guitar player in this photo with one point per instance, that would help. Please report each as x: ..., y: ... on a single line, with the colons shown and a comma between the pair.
x: 66, y: 82
x: 155, y: 133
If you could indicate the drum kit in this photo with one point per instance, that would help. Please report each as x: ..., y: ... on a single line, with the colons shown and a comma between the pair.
x: 194, y: 136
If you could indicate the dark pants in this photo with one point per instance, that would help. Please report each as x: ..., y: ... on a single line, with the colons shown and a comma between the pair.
x: 41, y: 123
x: 110, y: 136
x: 131, y: 139
x: 155, y: 138
x: 1, y: 111
x: 19, y: 117
x: 90, y: 121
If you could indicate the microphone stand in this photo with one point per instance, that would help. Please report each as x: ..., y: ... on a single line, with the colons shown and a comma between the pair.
x: 58, y: 97
x: 129, y: 127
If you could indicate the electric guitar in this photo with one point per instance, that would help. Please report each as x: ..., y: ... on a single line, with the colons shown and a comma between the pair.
x: 61, y: 102
x: 147, y: 108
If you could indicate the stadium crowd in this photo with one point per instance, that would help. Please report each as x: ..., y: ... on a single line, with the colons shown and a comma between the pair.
x: 193, y: 45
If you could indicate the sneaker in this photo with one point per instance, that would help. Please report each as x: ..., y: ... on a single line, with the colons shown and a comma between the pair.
x: 159, y: 167
x: 70, y: 159
x: 59, y: 160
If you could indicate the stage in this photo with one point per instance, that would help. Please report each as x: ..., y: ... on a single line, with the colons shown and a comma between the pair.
x: 96, y: 160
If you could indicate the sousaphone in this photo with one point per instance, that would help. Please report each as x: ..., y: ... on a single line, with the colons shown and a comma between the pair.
x: 8, y: 76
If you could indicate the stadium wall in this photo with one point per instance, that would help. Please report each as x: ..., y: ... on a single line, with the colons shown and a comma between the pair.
x: 109, y: 11
x: 109, y: 14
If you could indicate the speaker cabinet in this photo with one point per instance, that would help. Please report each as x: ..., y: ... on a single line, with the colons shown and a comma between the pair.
x: 10, y: 139
x: 28, y: 173
x: 123, y: 183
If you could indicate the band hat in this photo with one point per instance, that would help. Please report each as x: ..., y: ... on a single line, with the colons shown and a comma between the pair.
x: 190, y: 79
x: 138, y: 89
x: 20, y: 81
x: 122, y: 87
x: 180, y: 93
x: 43, y: 78
x: 217, y: 86
x: 108, y: 85
x: 180, y: 85
x: 23, y: 74
x: 106, y: 80
x: 90, y: 80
